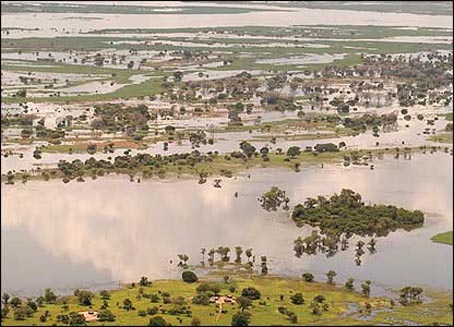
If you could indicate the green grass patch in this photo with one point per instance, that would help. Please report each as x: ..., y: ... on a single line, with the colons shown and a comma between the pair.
x: 444, y: 238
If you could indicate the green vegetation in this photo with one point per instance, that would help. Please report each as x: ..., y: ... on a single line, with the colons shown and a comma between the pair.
x: 347, y: 213
x: 441, y: 138
x: 444, y: 238
x: 276, y: 301
x: 197, y: 164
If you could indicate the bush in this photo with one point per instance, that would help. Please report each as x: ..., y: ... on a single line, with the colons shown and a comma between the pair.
x: 308, y: 277
x: 196, y: 322
x: 189, y: 276
x: 22, y: 312
x: 154, y: 298
x: 293, y: 317
x: 152, y: 311
x: 241, y: 319
x: 201, y: 299
x: 141, y: 313
x: 158, y: 321
x: 282, y: 310
x: 84, y: 297
x: 209, y: 287
x: 297, y: 298
x: 106, y: 315
x: 251, y: 293
x: 319, y: 299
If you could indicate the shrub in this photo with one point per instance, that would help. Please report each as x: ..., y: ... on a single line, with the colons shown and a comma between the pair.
x: 158, y: 321
x: 196, y: 322
x: 106, y: 315
x: 241, y: 319
x: 189, y: 276
x: 152, y: 311
x: 308, y: 277
x: 154, y: 298
x: 201, y: 298
x: 297, y: 298
x: 251, y: 293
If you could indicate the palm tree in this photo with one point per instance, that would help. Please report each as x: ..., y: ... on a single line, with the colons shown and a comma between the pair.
x: 248, y: 254
x: 211, y: 256
x: 331, y: 274
x: 203, y: 250
x: 239, y: 252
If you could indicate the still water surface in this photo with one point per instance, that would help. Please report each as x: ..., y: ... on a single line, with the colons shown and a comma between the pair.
x: 95, y: 233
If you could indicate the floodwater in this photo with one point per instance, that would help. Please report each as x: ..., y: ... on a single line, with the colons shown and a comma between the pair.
x: 58, y: 24
x: 411, y: 136
x: 92, y: 235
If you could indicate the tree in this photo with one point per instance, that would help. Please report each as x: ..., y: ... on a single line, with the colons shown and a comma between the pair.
x: 241, y: 319
x: 169, y: 129
x: 15, y: 302
x: 292, y: 317
x: 410, y: 295
x: 203, y: 251
x: 5, y: 298
x: 293, y: 151
x: 76, y: 319
x: 127, y: 304
x: 49, y: 296
x: 297, y: 298
x: 21, y: 93
x: 130, y: 64
x: 144, y: 281
x: 201, y: 299
x: 248, y: 254
x: 247, y: 148
x: 244, y: 303
x: 349, y: 284
x: 106, y: 315
x: 331, y: 274
x: 308, y: 277
x: 84, y: 296
x: 273, y: 199
x: 251, y: 293
x: 239, y: 252
x: 178, y: 75
x: 224, y: 252
x: 105, y: 295
x: 189, y: 276
x: 264, y: 151
x: 264, y: 268
x: 22, y: 312
x: 158, y: 321
x: 326, y: 147
x: 365, y: 288
x: 32, y: 305
x: 196, y: 321
x: 5, y: 311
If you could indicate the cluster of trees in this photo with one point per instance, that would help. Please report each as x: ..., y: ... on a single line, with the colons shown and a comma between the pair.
x: 25, y: 309
x: 410, y: 295
x: 343, y: 215
x: 115, y: 118
x: 274, y: 199
x: 346, y: 213
x: 362, y: 123
x: 144, y: 162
